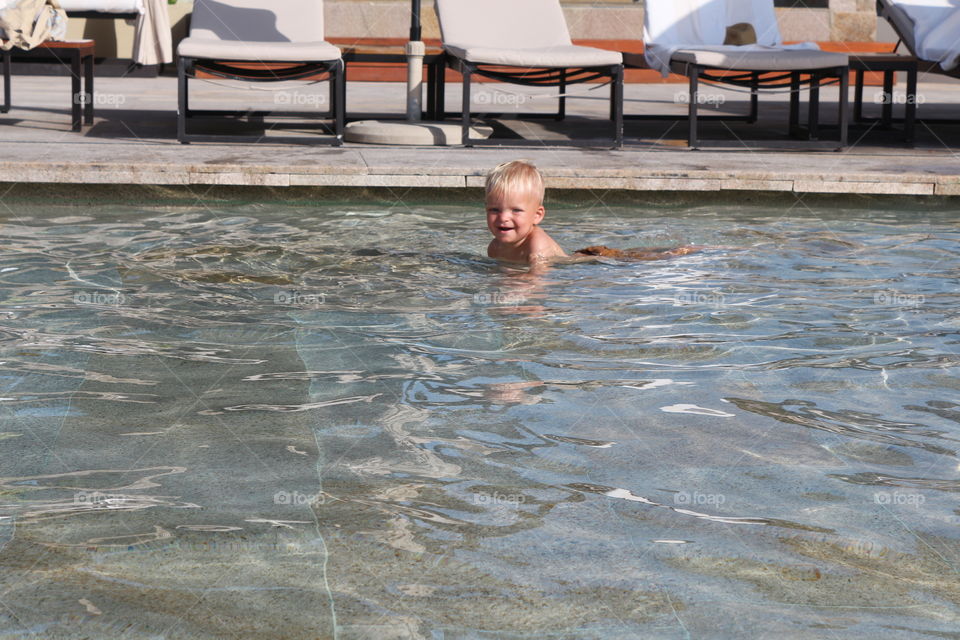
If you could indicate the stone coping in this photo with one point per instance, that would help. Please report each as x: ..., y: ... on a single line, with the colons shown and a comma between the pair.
x: 919, y: 174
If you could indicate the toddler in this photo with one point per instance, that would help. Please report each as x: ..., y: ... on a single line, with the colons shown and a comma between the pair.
x: 514, y: 203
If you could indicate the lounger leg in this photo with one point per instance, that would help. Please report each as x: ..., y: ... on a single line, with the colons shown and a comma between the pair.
x: 858, y: 96
x: 88, y: 89
x: 441, y: 98
x: 78, y: 96
x: 182, y: 101
x: 813, y: 108
x: 562, y: 111
x: 794, y: 103
x: 333, y: 88
x: 886, y: 117
x: 754, y: 98
x: 910, y: 111
x: 692, y: 138
x: 6, y: 82
x: 465, y: 121
x: 338, y: 85
x: 616, y: 106
x: 844, y: 105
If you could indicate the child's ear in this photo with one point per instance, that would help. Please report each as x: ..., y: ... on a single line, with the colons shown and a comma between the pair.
x: 538, y: 215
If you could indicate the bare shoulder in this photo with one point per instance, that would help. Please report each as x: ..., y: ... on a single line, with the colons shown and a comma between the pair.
x: 542, y: 247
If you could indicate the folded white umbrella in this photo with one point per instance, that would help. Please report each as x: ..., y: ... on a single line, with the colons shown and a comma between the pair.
x: 153, y: 42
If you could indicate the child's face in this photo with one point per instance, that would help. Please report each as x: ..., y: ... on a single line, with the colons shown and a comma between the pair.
x: 511, y: 216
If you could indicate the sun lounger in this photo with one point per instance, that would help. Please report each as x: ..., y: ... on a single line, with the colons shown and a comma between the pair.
x: 522, y: 42
x: 693, y: 38
x: 257, y: 41
x: 929, y: 30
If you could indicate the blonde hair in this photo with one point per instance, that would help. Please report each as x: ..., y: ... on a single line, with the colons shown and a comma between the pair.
x: 516, y: 175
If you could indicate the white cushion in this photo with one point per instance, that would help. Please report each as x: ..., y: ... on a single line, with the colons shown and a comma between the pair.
x: 773, y: 59
x: 503, y: 24
x: 258, y: 51
x: 556, y: 56
x: 258, y: 21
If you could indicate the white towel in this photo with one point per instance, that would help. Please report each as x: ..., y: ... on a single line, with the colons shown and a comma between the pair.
x: 936, y: 30
x: 152, y: 41
x: 28, y: 23
x: 668, y: 25
x: 672, y: 25
x: 760, y: 14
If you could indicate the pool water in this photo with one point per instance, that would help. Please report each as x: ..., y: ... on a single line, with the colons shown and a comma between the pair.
x: 347, y: 422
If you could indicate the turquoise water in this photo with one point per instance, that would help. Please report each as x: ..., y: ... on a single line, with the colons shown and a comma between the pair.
x: 302, y: 422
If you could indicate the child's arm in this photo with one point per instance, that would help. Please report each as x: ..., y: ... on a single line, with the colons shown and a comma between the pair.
x: 602, y: 251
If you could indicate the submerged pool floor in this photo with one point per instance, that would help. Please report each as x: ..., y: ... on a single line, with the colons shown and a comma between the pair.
x: 346, y: 422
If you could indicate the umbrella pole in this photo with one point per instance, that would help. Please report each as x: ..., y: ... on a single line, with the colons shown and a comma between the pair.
x: 415, y: 51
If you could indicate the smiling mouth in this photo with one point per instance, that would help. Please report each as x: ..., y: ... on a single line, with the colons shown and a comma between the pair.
x: 502, y: 228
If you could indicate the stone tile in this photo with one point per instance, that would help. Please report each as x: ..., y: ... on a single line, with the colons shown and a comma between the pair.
x: 804, y: 24
x: 635, y: 184
x: 853, y: 27
x: 246, y: 178
x: 604, y: 22
x: 377, y: 180
x: 368, y: 19
x: 884, y: 188
x: 76, y: 175
x: 756, y: 185
x: 948, y: 189
x: 675, y: 184
x: 429, y: 25
x: 844, y: 5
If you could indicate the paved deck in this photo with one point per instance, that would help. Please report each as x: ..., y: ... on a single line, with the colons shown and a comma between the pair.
x: 133, y: 142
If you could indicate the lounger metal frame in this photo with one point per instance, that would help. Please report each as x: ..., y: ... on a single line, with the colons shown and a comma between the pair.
x: 188, y: 67
x: 532, y: 77
x: 888, y: 64
x: 79, y: 56
x: 758, y: 80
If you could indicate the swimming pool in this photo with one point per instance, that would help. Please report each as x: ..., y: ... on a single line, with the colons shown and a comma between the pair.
x: 345, y: 421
